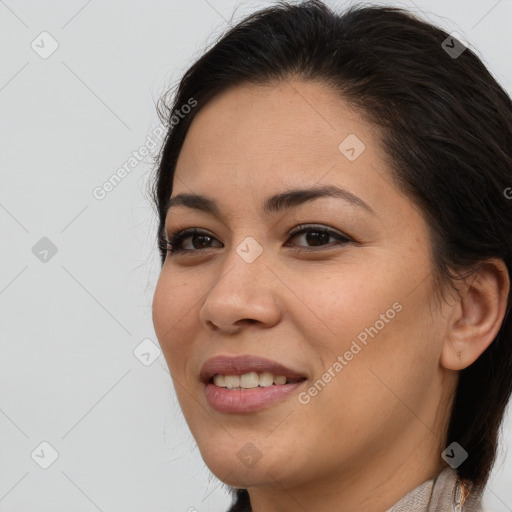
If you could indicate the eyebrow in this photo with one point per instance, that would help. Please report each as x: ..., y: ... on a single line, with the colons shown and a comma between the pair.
x: 278, y: 202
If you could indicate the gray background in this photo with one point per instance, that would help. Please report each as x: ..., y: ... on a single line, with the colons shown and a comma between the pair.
x: 70, y: 321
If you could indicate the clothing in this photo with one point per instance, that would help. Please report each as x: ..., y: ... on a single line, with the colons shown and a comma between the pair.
x: 441, y: 494
x: 444, y: 493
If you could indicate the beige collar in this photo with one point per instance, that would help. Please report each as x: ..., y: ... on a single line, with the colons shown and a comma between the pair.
x: 445, y: 493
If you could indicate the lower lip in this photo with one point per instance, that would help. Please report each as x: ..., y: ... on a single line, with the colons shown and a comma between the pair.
x: 248, y: 400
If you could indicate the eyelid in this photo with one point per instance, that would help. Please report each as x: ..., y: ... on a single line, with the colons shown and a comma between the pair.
x: 321, y: 227
x: 180, y: 234
x: 296, y: 230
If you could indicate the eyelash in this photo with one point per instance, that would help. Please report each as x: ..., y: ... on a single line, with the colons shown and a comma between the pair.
x: 173, y: 245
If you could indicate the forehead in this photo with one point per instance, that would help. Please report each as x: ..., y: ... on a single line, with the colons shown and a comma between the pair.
x: 267, y: 136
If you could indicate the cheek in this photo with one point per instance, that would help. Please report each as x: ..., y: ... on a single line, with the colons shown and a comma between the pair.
x: 337, y: 307
x: 162, y: 309
x: 173, y: 305
x: 380, y: 388
x: 382, y: 331
x: 396, y: 362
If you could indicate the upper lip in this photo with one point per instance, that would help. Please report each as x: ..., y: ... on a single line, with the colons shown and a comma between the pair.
x: 238, y: 365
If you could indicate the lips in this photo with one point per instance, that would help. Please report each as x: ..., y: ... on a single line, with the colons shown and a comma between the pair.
x: 238, y: 365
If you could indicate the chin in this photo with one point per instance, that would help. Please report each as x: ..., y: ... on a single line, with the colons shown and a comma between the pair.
x: 241, y: 464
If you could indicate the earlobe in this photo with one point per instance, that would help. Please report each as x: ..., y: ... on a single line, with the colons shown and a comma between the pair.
x: 477, y: 316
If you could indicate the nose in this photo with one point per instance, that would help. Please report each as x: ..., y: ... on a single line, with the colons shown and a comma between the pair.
x: 242, y: 295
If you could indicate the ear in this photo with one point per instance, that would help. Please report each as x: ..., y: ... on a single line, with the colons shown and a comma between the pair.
x: 477, y: 315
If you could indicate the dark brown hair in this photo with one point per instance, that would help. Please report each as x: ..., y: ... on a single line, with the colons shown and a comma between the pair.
x: 446, y: 127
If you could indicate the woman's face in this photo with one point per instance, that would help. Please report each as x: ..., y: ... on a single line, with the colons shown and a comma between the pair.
x: 351, y: 312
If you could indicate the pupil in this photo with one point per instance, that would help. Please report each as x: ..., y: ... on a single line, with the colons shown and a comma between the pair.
x: 204, y: 239
x: 318, y: 239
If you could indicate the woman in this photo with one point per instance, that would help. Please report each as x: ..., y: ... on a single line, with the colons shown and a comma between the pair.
x: 335, y: 232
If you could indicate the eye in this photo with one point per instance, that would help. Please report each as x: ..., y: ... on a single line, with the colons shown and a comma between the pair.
x: 198, y: 237
x: 318, y: 236
x: 193, y: 240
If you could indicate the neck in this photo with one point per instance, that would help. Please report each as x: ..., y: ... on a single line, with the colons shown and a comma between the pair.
x: 371, y: 485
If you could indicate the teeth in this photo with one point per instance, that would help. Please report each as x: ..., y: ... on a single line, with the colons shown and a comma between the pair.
x: 232, y: 381
x: 219, y: 380
x: 249, y: 380
x: 266, y: 379
x: 280, y: 379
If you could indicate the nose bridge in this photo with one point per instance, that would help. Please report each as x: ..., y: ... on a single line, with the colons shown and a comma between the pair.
x: 241, y: 291
x: 243, y: 269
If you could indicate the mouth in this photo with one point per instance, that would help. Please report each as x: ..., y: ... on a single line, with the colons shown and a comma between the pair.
x: 247, y: 372
x: 254, y: 398
x: 247, y: 384
x: 251, y: 380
